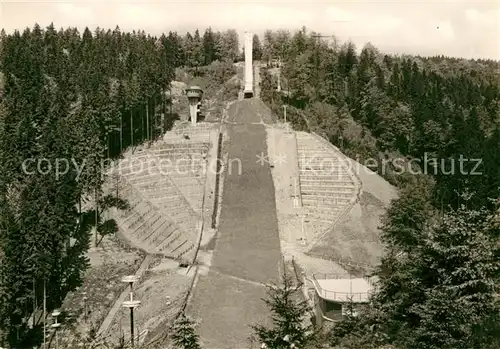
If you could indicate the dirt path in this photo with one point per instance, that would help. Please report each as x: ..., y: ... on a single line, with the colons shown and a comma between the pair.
x: 228, y: 300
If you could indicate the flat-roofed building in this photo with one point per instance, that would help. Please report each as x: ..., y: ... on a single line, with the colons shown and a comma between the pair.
x: 335, y: 291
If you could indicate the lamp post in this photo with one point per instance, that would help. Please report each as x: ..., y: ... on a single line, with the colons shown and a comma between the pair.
x: 44, y: 314
x: 131, y: 304
x: 56, y: 324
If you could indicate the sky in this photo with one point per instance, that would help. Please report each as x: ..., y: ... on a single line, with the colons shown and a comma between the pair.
x: 469, y: 29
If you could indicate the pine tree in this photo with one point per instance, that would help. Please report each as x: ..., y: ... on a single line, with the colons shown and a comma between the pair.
x: 198, y: 52
x: 459, y: 268
x: 256, y: 48
x: 210, y: 53
x: 408, y: 215
x: 288, y: 315
x: 440, y: 294
x: 189, y: 50
x: 268, y: 51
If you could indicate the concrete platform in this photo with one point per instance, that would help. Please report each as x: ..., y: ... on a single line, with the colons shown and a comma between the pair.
x: 343, y: 289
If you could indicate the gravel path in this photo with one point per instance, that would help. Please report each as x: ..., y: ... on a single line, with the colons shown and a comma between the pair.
x: 123, y: 296
x: 247, y: 250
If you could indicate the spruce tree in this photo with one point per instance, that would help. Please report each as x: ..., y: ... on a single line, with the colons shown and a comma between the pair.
x: 184, y: 333
x: 289, y: 312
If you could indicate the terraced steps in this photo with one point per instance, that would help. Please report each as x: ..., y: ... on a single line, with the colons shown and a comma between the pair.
x: 319, y: 174
x: 326, y: 194
x: 146, y: 227
x: 327, y: 187
x: 148, y: 175
x: 164, y: 184
x: 316, y: 200
x: 187, y: 167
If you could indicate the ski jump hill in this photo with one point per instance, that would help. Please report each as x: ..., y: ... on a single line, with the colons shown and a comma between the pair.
x: 288, y: 194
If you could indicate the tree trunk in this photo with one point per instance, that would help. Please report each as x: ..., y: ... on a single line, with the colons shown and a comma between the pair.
x: 141, y: 112
x: 163, y: 107
x: 147, y: 118
x: 121, y: 132
x: 96, y: 216
x: 154, y: 118
x: 131, y: 128
x: 34, y: 302
x: 108, y: 139
x: 44, y: 314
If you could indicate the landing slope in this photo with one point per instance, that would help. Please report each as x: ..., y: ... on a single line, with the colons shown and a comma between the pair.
x: 228, y: 300
x: 248, y: 245
x: 250, y: 110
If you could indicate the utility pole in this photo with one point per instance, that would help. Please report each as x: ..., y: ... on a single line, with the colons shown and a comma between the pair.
x: 147, y: 120
x: 284, y: 112
x: 96, y: 216
x: 121, y: 132
x: 56, y: 325
x: 85, y: 311
x: 318, y: 36
x: 34, y: 302
x: 131, y: 128
x: 316, y: 90
x: 44, y: 314
x: 108, y: 140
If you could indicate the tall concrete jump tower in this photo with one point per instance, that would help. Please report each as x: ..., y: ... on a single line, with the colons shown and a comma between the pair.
x: 248, y: 91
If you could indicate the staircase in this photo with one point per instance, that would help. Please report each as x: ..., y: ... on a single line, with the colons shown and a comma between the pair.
x: 148, y: 228
x: 151, y: 179
x: 327, y: 185
x: 164, y: 185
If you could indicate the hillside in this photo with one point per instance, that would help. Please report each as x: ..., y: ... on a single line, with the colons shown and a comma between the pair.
x: 412, y: 120
x: 395, y: 112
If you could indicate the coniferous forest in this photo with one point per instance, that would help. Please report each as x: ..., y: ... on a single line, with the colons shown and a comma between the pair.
x: 379, y: 106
